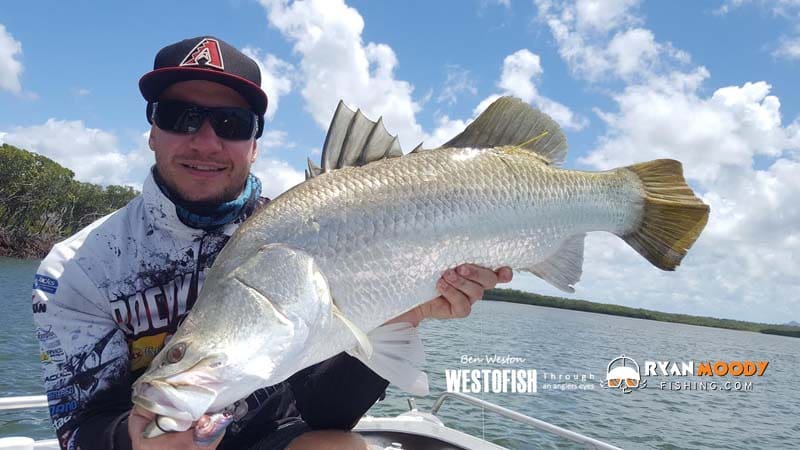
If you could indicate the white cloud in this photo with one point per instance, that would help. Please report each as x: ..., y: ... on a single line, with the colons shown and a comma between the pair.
x: 336, y: 64
x: 789, y: 49
x: 744, y: 263
x: 82, y: 92
x: 520, y: 70
x: 276, y: 77
x: 92, y: 154
x: 274, y: 139
x: 458, y: 81
x: 600, y: 39
x: 276, y: 176
x: 603, y: 15
x: 10, y: 67
x: 446, y: 129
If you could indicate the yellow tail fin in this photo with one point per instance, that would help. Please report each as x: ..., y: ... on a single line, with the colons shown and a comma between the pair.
x: 673, y: 216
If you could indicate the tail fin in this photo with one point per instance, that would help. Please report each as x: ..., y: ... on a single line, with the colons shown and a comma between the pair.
x: 673, y: 216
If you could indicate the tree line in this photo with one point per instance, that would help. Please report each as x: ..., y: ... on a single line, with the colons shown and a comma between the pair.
x: 528, y: 298
x: 42, y: 203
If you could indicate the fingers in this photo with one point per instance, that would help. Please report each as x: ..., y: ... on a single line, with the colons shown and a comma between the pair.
x: 459, y: 294
x: 183, y: 440
x: 504, y: 275
x: 466, y: 281
x: 210, y: 429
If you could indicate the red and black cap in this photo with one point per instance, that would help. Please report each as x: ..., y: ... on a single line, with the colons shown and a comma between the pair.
x: 205, y: 58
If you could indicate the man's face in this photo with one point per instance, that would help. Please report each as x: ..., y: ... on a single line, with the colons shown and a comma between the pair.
x: 201, y: 167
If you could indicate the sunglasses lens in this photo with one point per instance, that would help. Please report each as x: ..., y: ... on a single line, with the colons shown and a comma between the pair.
x: 177, y: 117
x: 233, y: 123
x: 186, y: 118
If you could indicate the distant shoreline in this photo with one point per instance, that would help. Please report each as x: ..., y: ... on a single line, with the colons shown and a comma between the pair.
x: 515, y: 296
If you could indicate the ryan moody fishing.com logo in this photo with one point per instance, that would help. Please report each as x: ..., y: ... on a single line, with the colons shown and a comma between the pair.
x: 625, y: 374
x: 497, y: 380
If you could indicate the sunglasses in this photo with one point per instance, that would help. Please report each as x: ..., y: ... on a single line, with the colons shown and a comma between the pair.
x: 235, y: 124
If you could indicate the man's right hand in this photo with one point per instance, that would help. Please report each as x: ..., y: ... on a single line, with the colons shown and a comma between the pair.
x: 183, y: 440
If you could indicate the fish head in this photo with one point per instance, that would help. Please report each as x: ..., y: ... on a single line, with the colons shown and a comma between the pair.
x: 184, y: 380
x: 252, y: 327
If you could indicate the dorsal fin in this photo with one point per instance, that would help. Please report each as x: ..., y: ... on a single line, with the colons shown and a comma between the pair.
x: 354, y: 140
x: 511, y: 122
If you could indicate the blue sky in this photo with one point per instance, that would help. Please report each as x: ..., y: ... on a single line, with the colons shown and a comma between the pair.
x: 708, y: 83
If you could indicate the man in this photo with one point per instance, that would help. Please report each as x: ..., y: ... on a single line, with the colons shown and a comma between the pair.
x: 111, y: 295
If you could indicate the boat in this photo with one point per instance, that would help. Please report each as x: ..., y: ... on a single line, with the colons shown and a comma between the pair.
x: 413, y: 430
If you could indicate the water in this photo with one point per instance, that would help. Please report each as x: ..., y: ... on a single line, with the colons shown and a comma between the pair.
x: 552, y: 341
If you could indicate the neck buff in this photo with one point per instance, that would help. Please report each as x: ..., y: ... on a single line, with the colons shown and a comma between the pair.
x: 208, y: 216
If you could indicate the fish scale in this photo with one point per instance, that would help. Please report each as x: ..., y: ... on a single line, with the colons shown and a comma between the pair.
x: 454, y: 214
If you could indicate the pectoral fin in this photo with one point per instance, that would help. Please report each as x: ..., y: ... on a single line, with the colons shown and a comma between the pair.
x: 364, y: 346
x: 397, y: 350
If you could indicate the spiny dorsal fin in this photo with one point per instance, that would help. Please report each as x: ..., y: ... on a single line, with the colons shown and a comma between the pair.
x: 511, y: 122
x: 354, y: 140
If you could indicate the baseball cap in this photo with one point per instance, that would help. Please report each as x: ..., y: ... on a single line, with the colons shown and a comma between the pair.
x: 205, y: 58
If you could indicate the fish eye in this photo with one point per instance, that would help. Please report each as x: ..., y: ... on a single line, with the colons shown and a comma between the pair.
x: 176, y: 352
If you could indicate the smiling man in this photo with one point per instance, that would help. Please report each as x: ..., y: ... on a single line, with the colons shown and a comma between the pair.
x: 110, y: 296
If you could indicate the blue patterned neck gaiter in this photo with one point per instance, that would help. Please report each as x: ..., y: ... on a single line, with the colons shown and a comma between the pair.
x: 209, y: 216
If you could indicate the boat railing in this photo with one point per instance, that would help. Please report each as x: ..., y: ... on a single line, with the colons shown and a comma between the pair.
x: 27, y: 402
x: 522, y: 418
x: 40, y: 401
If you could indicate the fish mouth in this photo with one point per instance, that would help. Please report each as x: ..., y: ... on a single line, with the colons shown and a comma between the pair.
x: 184, y: 402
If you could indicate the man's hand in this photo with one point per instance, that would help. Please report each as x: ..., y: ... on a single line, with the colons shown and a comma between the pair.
x: 460, y: 288
x: 183, y: 440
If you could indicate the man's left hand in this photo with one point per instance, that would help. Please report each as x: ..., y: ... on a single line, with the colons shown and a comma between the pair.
x: 460, y: 288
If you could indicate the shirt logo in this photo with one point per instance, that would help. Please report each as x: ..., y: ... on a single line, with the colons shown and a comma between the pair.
x: 46, y: 284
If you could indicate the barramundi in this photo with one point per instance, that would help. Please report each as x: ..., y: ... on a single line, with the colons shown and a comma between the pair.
x: 365, y: 238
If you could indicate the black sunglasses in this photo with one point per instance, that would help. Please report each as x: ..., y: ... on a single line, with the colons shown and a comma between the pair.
x: 235, y: 124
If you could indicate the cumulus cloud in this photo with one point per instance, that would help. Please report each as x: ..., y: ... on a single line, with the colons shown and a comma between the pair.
x: 520, y: 72
x: 10, y: 67
x: 335, y: 64
x: 92, y: 154
x: 601, y: 40
x: 738, y: 155
x: 744, y: 264
x: 274, y: 139
x: 277, y: 176
x: 276, y: 77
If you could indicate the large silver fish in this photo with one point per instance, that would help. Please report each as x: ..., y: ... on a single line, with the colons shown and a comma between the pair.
x: 320, y: 269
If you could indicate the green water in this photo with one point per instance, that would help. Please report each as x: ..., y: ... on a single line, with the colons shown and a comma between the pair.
x: 554, y: 342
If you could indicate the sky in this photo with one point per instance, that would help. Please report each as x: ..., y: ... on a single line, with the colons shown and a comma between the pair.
x: 712, y: 84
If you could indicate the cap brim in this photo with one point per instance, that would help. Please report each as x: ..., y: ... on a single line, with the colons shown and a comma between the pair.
x: 152, y: 84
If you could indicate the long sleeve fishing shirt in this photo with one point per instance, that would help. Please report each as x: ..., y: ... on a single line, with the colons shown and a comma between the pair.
x: 106, y: 300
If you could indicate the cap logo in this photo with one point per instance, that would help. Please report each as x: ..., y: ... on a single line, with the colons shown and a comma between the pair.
x: 205, y: 54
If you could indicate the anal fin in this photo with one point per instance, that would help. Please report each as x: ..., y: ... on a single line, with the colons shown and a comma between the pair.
x: 563, y: 269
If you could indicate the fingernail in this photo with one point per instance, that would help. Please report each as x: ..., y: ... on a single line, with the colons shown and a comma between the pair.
x: 464, y: 270
x: 441, y: 285
x: 450, y: 275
